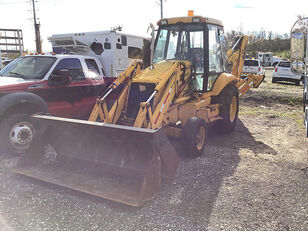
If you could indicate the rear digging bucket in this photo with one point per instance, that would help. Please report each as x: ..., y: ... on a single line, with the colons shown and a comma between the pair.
x: 119, y: 163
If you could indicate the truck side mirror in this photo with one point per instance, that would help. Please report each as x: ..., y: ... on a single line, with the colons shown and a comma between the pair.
x: 59, y: 78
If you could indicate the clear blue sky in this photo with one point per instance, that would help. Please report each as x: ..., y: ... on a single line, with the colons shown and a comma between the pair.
x: 65, y: 16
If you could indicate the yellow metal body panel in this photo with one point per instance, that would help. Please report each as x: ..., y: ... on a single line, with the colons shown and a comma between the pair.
x: 223, y: 80
x: 156, y: 74
x: 190, y: 19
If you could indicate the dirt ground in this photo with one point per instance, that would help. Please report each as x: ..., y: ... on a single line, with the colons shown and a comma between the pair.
x: 253, y: 179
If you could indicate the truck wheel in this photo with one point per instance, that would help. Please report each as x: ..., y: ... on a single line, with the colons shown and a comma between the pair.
x: 274, y: 80
x: 229, y: 100
x: 16, y: 133
x: 195, y: 136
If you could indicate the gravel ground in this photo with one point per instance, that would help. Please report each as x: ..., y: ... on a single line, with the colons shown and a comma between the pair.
x: 253, y: 179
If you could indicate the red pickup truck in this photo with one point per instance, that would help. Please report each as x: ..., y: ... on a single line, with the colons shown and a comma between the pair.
x: 62, y: 85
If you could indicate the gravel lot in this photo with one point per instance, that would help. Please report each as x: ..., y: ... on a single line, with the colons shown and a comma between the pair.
x: 253, y: 179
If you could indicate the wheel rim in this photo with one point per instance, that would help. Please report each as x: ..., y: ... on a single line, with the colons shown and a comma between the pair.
x: 21, y: 135
x: 233, y: 108
x: 200, y: 138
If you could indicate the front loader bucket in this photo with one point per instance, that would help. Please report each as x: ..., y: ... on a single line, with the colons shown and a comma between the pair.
x: 119, y: 163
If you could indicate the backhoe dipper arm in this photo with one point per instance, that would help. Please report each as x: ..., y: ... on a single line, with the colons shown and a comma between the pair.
x: 236, y: 55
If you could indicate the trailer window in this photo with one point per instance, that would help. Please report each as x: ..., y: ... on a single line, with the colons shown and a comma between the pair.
x: 134, y: 53
x: 73, y: 66
x: 124, y: 40
x: 107, y: 46
x: 97, y: 48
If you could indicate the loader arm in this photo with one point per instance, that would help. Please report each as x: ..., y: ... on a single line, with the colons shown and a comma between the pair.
x: 167, y: 89
x: 100, y: 111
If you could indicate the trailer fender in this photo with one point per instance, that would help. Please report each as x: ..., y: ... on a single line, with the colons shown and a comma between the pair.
x: 222, y: 81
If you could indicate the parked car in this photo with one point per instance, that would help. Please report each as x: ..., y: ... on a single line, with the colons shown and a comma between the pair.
x: 6, y: 61
x: 282, y: 72
x: 252, y: 66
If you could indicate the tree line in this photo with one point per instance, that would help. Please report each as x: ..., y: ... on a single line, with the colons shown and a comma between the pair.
x: 265, y: 41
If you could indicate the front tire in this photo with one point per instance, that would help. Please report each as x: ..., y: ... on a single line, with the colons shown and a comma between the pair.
x: 195, y: 136
x: 16, y: 133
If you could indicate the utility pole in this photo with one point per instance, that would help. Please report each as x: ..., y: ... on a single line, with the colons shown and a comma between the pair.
x: 36, y: 30
x: 161, y: 8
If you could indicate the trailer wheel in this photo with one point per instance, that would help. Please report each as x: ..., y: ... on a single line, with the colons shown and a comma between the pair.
x: 16, y: 133
x: 229, y: 100
x: 195, y: 136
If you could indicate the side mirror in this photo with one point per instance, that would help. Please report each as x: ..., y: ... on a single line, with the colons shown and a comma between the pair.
x: 297, y: 52
x: 298, y: 67
x: 59, y: 78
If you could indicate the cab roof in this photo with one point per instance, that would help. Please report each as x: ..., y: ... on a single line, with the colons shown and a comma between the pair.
x: 189, y: 19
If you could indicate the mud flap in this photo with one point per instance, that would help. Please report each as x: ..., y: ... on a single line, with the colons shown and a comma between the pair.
x: 119, y: 163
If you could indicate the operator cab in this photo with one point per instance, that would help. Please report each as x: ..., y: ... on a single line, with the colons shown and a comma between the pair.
x: 196, y: 39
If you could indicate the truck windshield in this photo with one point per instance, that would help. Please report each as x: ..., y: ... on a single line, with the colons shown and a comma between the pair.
x: 180, y: 41
x: 29, y: 67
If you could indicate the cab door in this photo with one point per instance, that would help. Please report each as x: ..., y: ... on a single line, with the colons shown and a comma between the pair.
x: 215, y: 56
x: 76, y: 99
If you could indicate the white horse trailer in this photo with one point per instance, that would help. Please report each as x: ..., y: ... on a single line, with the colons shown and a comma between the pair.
x: 116, y: 51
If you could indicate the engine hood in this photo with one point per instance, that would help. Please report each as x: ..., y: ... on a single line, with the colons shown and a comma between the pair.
x: 156, y: 74
x: 10, y: 80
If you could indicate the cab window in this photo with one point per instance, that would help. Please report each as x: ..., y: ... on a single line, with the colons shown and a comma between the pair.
x: 73, y: 66
x: 196, y: 53
x: 93, y: 68
x: 215, y: 56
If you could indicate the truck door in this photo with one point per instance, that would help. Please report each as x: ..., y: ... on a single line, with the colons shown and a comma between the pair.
x: 76, y: 99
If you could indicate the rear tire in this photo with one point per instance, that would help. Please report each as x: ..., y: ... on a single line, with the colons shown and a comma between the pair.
x: 229, y: 100
x: 274, y: 80
x: 16, y: 133
x: 195, y: 136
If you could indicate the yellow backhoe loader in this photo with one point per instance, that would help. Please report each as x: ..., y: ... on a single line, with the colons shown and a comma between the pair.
x: 123, y: 153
